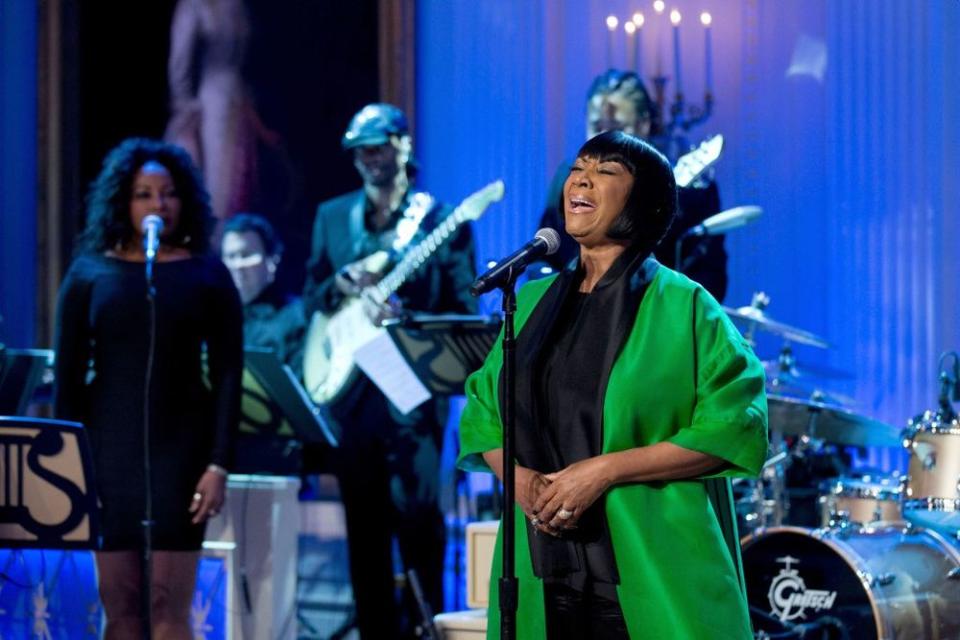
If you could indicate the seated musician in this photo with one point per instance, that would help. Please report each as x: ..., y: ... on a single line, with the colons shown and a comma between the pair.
x: 252, y: 252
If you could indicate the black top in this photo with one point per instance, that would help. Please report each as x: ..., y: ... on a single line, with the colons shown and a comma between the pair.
x: 103, y: 321
x: 565, y: 352
x: 566, y: 407
x: 276, y: 321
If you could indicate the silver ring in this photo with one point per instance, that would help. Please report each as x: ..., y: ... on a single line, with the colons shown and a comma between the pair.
x: 563, y: 514
x: 535, y: 521
x: 198, y: 496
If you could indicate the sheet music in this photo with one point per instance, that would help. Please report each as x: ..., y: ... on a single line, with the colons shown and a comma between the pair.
x: 382, y: 362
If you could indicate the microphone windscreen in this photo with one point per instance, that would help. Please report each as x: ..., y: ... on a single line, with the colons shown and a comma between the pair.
x: 151, y: 220
x: 551, y: 237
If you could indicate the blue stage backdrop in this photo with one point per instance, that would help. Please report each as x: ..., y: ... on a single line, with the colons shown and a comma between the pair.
x: 18, y: 172
x: 841, y: 121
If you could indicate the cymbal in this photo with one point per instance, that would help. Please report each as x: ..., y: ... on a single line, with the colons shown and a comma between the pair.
x: 756, y: 318
x: 805, y: 391
x: 776, y: 368
x: 833, y: 423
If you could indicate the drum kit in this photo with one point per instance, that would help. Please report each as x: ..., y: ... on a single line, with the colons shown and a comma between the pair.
x: 832, y: 552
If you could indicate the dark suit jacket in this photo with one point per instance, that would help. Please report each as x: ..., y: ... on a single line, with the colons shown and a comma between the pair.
x: 441, y: 285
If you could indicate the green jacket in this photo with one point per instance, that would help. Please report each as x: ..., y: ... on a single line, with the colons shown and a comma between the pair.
x: 685, y: 376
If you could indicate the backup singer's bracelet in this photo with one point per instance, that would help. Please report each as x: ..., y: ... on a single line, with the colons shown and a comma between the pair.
x: 217, y: 469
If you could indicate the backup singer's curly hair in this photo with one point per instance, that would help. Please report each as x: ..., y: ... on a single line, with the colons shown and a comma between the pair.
x: 108, y: 201
x: 652, y: 203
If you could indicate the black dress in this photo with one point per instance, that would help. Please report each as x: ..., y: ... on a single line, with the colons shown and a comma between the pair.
x: 102, y: 344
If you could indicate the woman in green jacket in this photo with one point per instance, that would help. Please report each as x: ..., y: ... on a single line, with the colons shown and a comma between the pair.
x: 635, y: 394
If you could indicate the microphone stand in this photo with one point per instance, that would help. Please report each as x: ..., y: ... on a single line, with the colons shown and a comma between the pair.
x: 146, y: 569
x: 508, y: 579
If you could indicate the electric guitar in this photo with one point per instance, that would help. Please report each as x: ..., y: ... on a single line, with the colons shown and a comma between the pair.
x: 332, y: 339
x: 691, y: 165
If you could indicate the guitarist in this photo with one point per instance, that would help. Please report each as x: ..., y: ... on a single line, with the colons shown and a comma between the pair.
x: 388, y: 463
x: 617, y: 100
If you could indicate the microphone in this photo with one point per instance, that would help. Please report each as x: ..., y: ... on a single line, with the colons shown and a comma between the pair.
x: 544, y: 243
x: 151, y: 226
x: 726, y: 221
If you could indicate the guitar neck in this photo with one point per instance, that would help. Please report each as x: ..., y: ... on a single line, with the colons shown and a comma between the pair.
x: 416, y: 256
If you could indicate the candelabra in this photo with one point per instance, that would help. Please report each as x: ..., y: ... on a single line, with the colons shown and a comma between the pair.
x: 678, y: 116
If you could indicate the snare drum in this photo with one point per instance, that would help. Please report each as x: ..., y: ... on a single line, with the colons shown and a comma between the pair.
x: 931, y: 497
x: 881, y: 583
x: 869, y: 501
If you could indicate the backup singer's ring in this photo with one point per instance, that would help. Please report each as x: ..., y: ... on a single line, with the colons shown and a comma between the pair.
x: 198, y: 496
x: 563, y: 514
x: 535, y: 521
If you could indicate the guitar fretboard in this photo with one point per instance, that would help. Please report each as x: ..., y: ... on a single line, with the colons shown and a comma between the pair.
x: 416, y: 256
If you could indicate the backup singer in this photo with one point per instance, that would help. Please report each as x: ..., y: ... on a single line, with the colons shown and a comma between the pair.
x: 388, y: 463
x: 634, y: 394
x: 618, y: 101
x: 104, y: 358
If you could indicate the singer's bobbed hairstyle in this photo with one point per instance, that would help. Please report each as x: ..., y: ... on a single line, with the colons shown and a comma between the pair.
x: 652, y: 203
x: 108, y: 224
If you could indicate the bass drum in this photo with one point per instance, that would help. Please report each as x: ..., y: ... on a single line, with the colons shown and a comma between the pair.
x: 881, y: 583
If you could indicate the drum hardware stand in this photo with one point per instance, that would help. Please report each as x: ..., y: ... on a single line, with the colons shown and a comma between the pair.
x: 759, y: 301
x: 426, y: 627
x: 949, y: 386
x: 773, y: 510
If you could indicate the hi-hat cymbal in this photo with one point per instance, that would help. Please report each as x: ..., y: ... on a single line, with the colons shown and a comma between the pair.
x: 777, y: 368
x: 830, y: 422
x: 786, y: 378
x: 806, y: 391
x: 756, y: 318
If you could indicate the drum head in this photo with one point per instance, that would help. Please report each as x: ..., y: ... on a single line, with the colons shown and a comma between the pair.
x: 794, y: 578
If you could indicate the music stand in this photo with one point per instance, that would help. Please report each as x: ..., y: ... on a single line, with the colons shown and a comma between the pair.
x: 21, y: 372
x: 285, y: 397
x: 47, y: 500
x: 443, y: 350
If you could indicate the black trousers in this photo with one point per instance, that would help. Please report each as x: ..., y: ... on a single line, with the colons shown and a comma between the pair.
x: 388, y: 469
x: 576, y: 615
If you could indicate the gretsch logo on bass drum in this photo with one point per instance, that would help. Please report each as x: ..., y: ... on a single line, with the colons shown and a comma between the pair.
x: 789, y: 596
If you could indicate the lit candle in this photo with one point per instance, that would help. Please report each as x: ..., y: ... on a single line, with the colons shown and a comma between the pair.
x: 638, y: 43
x: 631, y: 31
x: 675, y: 20
x: 659, y: 6
x: 706, y: 19
x: 612, y: 23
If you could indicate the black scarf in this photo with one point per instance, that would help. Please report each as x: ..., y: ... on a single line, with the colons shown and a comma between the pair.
x: 620, y: 291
